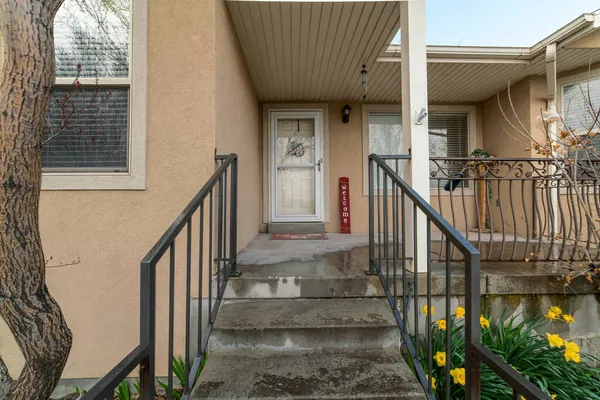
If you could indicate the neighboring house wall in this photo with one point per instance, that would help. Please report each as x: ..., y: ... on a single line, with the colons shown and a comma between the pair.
x: 110, y: 231
x: 237, y: 123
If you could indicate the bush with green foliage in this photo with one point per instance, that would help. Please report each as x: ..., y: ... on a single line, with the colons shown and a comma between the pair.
x: 554, y: 364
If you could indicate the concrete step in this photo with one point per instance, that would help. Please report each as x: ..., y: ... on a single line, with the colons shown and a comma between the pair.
x: 366, y: 374
x: 340, y: 274
x: 304, y: 324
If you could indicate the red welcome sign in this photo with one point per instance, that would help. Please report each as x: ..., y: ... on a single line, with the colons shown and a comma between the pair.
x: 344, y: 205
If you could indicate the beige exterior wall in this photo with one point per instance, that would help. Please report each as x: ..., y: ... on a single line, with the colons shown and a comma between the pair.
x: 110, y: 231
x: 528, y: 98
x: 238, y: 123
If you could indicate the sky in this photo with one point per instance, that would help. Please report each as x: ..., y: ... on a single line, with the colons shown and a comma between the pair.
x: 499, y: 22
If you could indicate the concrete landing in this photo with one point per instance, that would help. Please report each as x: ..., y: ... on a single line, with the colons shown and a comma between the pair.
x: 330, y: 275
x: 308, y: 375
x: 304, y: 324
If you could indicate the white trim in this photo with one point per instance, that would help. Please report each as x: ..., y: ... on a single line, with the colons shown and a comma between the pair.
x: 574, y: 30
x: 266, y: 108
x: 317, y: 116
x: 367, y: 108
x: 135, y: 178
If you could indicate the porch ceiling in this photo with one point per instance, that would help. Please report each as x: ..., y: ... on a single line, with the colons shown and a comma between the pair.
x: 313, y: 51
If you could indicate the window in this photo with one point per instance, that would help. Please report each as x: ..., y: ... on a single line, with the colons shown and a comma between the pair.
x: 576, y: 98
x: 579, y: 116
x: 95, y: 129
x: 449, y: 133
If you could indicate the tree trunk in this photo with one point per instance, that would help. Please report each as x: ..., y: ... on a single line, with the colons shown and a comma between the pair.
x: 33, y: 316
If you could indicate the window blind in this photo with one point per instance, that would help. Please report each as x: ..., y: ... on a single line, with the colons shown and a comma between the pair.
x: 95, y: 135
x: 578, y: 116
x: 576, y: 112
x: 90, y: 131
x: 448, y: 137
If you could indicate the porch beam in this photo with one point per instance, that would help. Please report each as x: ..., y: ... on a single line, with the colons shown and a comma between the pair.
x: 415, y: 132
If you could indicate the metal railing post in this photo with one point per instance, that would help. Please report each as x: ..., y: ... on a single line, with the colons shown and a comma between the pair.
x: 147, y: 329
x: 473, y: 331
x: 233, y: 218
x: 371, y: 219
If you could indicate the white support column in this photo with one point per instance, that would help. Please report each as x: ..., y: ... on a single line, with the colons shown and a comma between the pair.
x: 552, y: 130
x: 415, y: 132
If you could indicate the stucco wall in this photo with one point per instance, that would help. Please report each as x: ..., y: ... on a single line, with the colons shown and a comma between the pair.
x: 110, y: 231
x: 237, y: 123
x: 528, y: 98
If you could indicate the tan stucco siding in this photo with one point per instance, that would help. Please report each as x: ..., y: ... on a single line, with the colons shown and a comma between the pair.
x: 110, y: 231
x: 528, y: 98
x: 237, y: 123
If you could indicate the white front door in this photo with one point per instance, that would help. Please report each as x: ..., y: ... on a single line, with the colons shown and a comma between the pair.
x: 296, y: 166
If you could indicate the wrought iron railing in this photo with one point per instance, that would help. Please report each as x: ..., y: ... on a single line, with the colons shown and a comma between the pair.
x: 393, y: 207
x: 520, y: 209
x: 209, y: 243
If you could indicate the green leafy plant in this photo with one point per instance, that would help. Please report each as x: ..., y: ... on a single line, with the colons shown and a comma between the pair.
x: 554, y: 364
x: 179, y: 371
x: 123, y: 392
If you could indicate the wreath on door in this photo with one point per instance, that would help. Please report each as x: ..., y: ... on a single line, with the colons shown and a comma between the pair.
x: 298, y: 144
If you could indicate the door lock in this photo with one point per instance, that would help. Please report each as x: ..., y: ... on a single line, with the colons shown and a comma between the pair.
x: 319, y: 164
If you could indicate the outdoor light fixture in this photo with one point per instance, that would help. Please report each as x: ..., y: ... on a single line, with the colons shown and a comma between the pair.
x: 346, y: 113
x: 363, y: 75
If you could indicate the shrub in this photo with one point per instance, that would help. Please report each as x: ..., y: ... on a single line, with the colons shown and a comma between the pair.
x: 554, y: 364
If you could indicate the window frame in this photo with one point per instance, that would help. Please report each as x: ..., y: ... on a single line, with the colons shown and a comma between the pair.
x: 470, y: 110
x: 137, y: 82
x: 574, y: 79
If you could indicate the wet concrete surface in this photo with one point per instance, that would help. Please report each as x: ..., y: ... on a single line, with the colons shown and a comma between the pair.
x: 370, y: 374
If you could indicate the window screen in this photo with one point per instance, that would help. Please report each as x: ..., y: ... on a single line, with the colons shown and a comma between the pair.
x: 578, y: 115
x: 448, y: 135
x: 95, y: 137
x: 87, y: 125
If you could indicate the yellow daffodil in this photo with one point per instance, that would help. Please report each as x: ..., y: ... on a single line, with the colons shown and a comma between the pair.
x: 572, y: 352
x: 568, y: 318
x: 441, y: 324
x: 432, y: 381
x: 523, y: 398
x: 426, y: 310
x: 554, y: 340
x: 484, y: 322
x: 440, y: 358
x: 459, y: 312
x: 556, y: 310
x: 571, y: 346
x: 458, y: 375
x: 551, y: 315
x: 572, y: 356
x: 554, y: 397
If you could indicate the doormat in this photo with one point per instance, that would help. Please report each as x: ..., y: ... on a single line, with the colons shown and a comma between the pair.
x: 298, y: 236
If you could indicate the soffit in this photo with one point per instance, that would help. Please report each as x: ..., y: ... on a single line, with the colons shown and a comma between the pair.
x: 313, y: 51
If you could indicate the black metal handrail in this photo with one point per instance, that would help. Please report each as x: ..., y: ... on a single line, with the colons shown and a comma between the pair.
x: 211, y: 203
x: 388, y: 230
x: 529, y: 208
